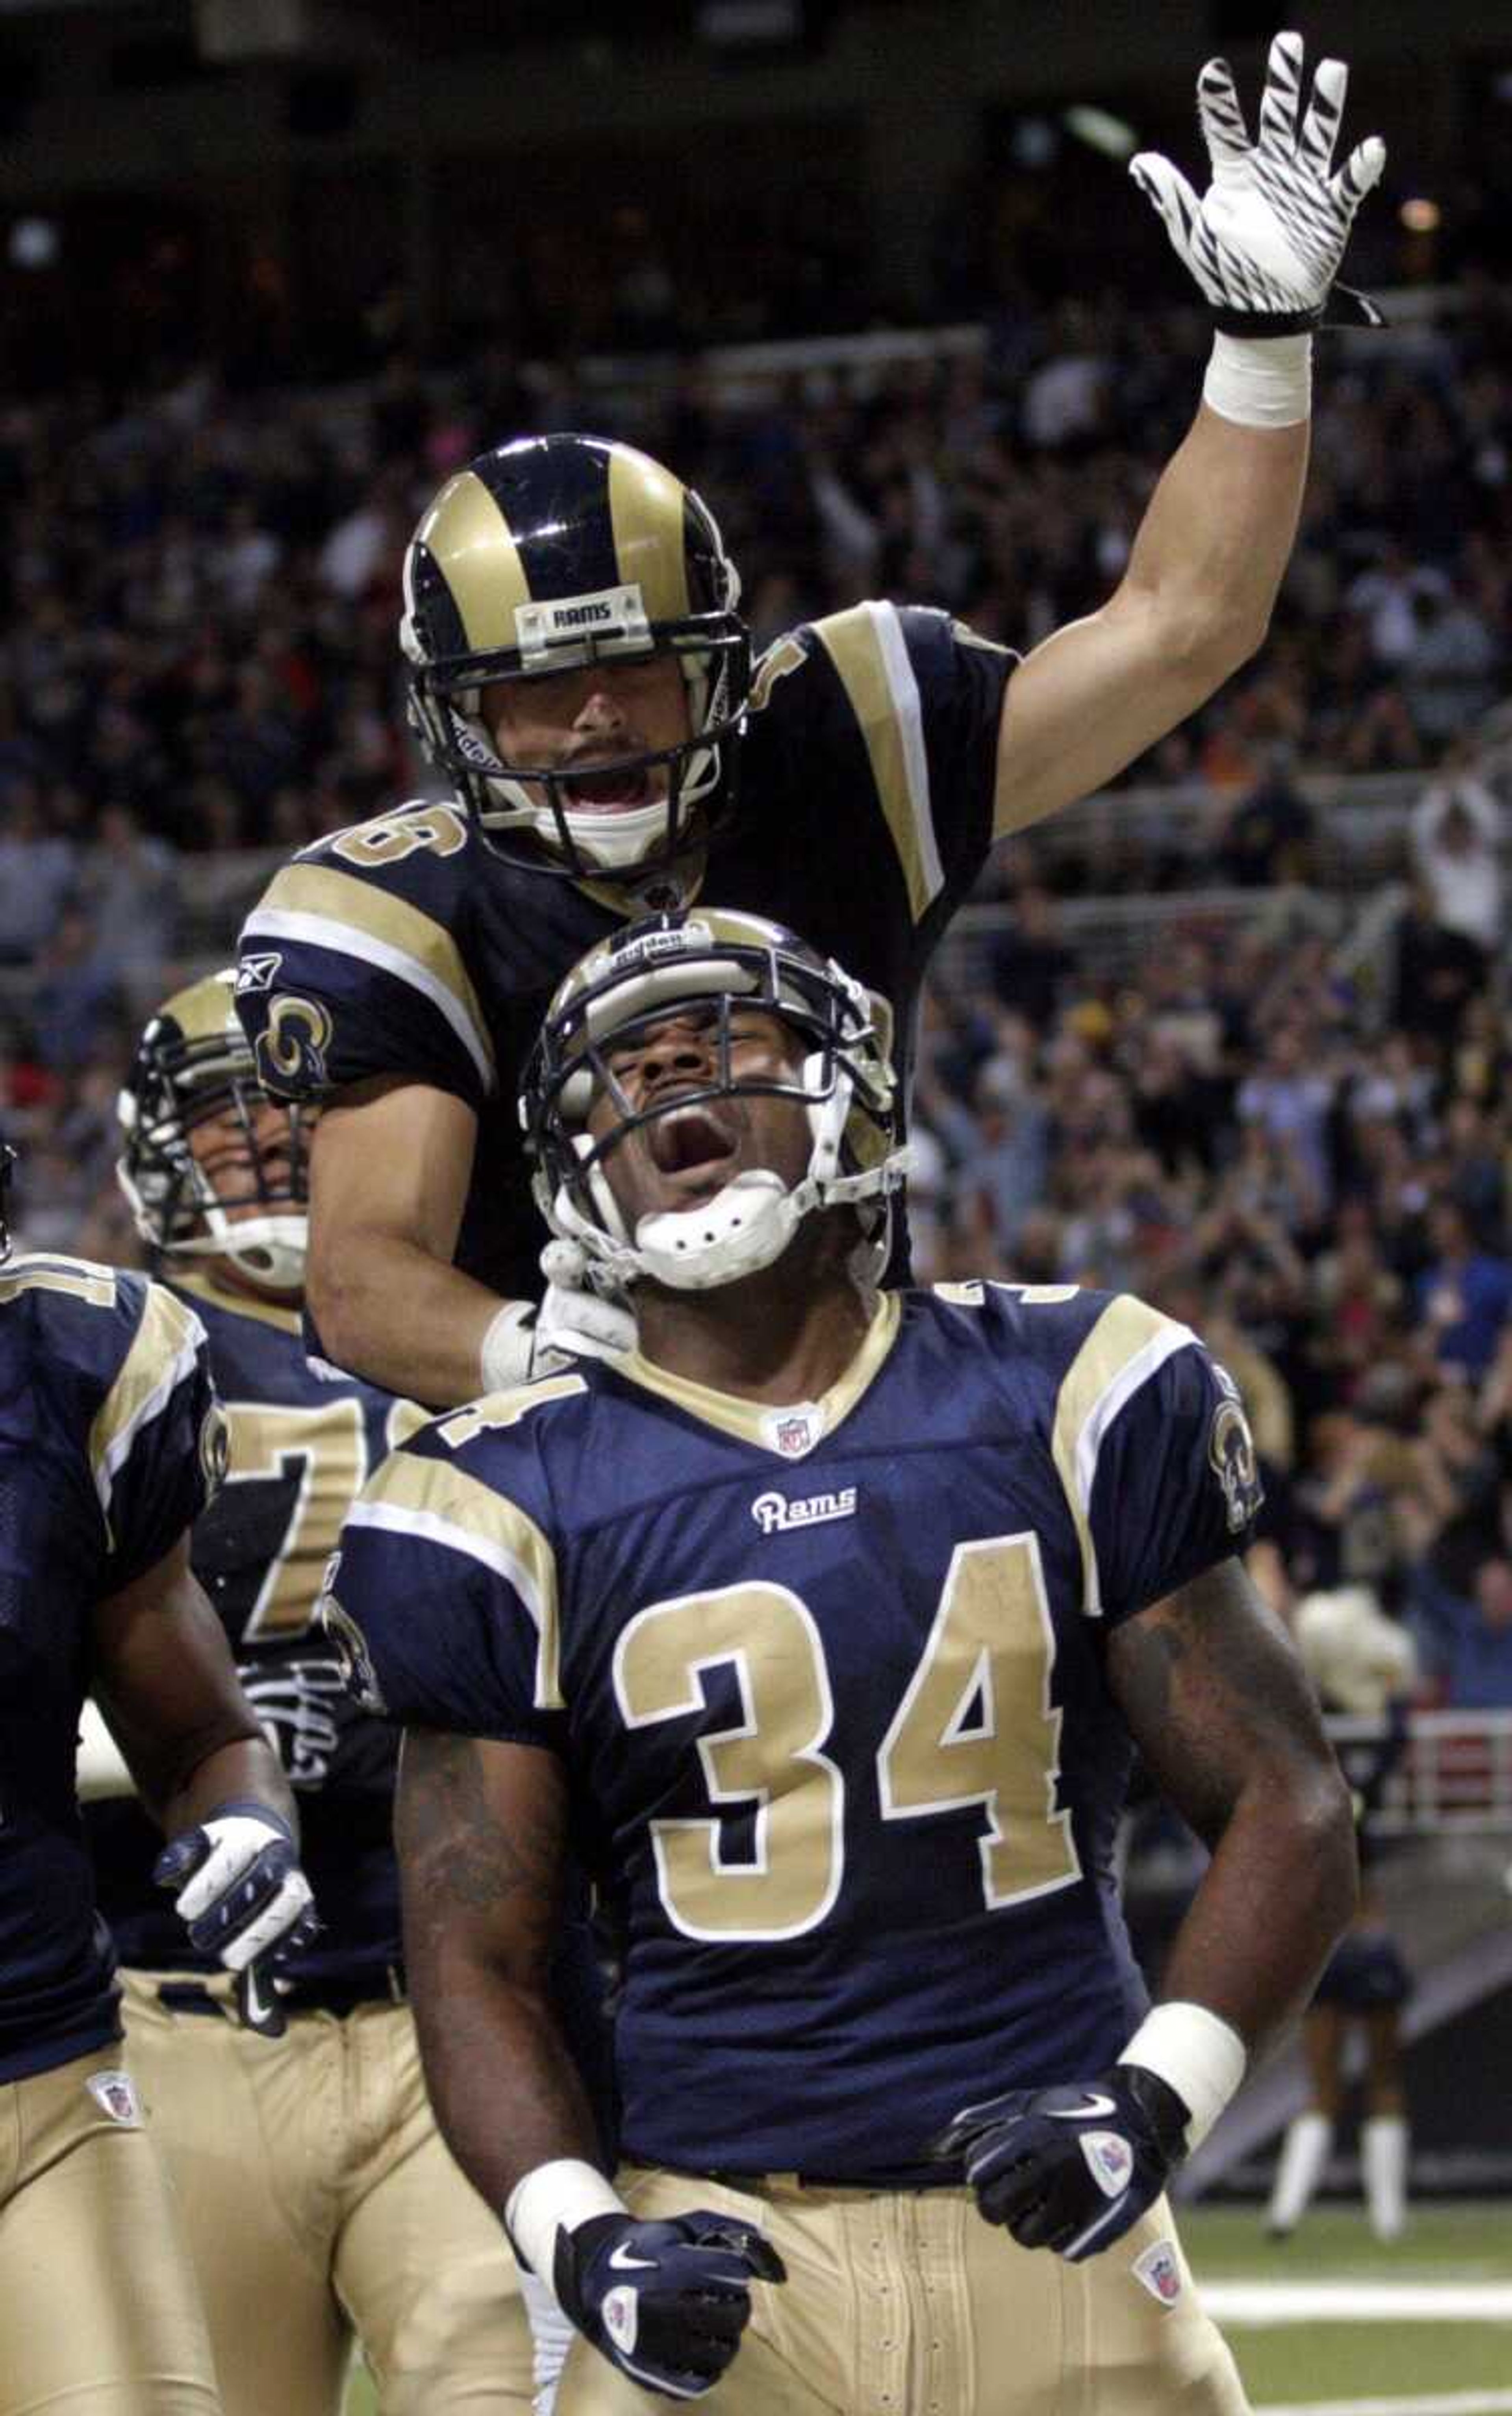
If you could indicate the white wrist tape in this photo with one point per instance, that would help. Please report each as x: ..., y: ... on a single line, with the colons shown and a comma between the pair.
x: 555, y: 2198
x: 1195, y: 2053
x: 1260, y: 381
x: 504, y: 1361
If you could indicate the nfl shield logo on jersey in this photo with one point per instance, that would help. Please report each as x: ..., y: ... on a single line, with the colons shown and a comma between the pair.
x: 1157, y: 2269
x: 115, y: 2093
x: 793, y: 1432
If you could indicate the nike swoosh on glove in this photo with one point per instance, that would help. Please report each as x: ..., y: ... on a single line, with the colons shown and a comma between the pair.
x: 1265, y: 241
x: 664, y: 2301
x: 1072, y: 2167
x: 238, y: 1886
x: 574, y: 1320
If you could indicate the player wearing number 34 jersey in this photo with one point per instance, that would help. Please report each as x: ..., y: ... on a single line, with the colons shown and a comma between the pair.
x: 830, y: 1620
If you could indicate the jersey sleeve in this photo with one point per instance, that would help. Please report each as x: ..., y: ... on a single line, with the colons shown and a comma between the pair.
x: 157, y: 1441
x: 353, y: 963
x: 1155, y: 1458
x: 443, y: 1600
x: 909, y: 701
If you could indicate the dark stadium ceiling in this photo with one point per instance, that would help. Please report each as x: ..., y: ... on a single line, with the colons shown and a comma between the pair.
x: 434, y: 25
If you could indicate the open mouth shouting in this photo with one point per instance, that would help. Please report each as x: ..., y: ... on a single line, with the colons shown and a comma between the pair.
x: 695, y: 1145
x: 616, y: 789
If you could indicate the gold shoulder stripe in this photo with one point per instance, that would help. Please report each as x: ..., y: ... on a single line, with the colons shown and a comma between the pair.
x: 474, y: 549
x: 435, y: 1499
x: 866, y: 648
x: 358, y: 919
x: 1123, y: 1351
x: 162, y: 1353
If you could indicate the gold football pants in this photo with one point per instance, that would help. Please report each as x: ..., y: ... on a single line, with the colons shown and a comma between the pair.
x: 99, y: 2312
x: 322, y: 2205
x: 909, y: 2305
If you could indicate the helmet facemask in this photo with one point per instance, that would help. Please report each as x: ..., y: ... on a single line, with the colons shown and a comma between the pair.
x: 556, y: 554
x: 189, y: 1206
x: 843, y: 1083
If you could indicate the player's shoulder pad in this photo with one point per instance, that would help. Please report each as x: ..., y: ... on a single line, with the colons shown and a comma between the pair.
x: 480, y: 1473
x: 99, y: 1322
x: 1037, y: 1328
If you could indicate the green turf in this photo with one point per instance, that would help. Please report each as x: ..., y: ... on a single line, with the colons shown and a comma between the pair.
x: 1285, y: 2365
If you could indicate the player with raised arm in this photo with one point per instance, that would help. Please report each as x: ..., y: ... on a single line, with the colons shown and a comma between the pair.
x: 111, y: 1444
x: 352, y: 2221
x: 579, y: 668
x: 828, y: 1622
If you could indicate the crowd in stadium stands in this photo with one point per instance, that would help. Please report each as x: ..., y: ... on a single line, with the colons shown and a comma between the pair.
x: 197, y: 653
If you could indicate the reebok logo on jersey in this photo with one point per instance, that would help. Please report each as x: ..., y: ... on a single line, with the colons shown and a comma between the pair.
x: 1157, y: 2269
x: 775, y: 1514
x: 115, y: 2093
x: 1110, y: 2161
x: 257, y: 973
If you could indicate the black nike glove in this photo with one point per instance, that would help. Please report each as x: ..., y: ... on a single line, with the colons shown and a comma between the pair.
x: 664, y: 2301
x: 1072, y: 2167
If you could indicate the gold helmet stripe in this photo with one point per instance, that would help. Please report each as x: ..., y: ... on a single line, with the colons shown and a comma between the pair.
x: 473, y: 547
x: 646, y: 506
x: 1125, y: 1346
x: 204, y: 1011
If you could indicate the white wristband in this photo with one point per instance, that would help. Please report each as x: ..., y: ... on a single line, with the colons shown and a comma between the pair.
x: 555, y: 2198
x: 504, y: 1361
x: 1197, y: 2054
x: 1260, y: 381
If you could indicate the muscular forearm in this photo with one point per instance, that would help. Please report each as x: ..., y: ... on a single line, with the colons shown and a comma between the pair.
x: 386, y: 1309
x: 506, y: 2092
x: 1214, y: 544
x: 1278, y: 1891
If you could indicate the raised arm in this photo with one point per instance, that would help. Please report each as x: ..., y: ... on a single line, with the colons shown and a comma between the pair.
x: 1265, y: 246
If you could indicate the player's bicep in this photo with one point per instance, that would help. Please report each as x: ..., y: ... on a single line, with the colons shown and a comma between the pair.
x: 1213, y: 1693
x: 163, y: 1677
x: 480, y: 1830
x: 1087, y: 701
x: 392, y: 1158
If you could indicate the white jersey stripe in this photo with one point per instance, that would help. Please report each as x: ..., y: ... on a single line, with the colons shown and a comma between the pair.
x: 903, y: 688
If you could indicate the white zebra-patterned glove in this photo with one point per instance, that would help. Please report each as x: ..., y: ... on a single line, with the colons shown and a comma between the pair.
x: 1265, y: 241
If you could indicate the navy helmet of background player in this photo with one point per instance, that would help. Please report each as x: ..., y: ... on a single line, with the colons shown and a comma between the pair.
x: 578, y: 668
x: 547, y: 555
x: 1011, y: 1557
x: 245, y: 1199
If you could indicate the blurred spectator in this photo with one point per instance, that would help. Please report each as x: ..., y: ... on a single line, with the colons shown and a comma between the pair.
x: 1457, y: 839
x: 1463, y: 1296
x: 1269, y: 835
x: 37, y: 870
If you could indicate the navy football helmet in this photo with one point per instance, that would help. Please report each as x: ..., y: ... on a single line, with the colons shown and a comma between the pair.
x: 545, y: 555
x: 724, y: 960
x: 193, y: 1063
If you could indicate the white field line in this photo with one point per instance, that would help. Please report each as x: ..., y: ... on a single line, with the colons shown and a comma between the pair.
x: 1439, y: 2403
x: 1360, y: 2302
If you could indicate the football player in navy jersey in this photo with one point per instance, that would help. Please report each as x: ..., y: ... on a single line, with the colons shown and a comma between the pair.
x: 111, y: 1444
x: 580, y: 672
x: 827, y: 1622
x: 351, y: 2219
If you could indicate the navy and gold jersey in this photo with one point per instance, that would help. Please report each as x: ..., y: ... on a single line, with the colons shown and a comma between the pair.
x: 828, y: 1684
x: 406, y: 946
x: 299, y: 1449
x: 110, y: 1443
